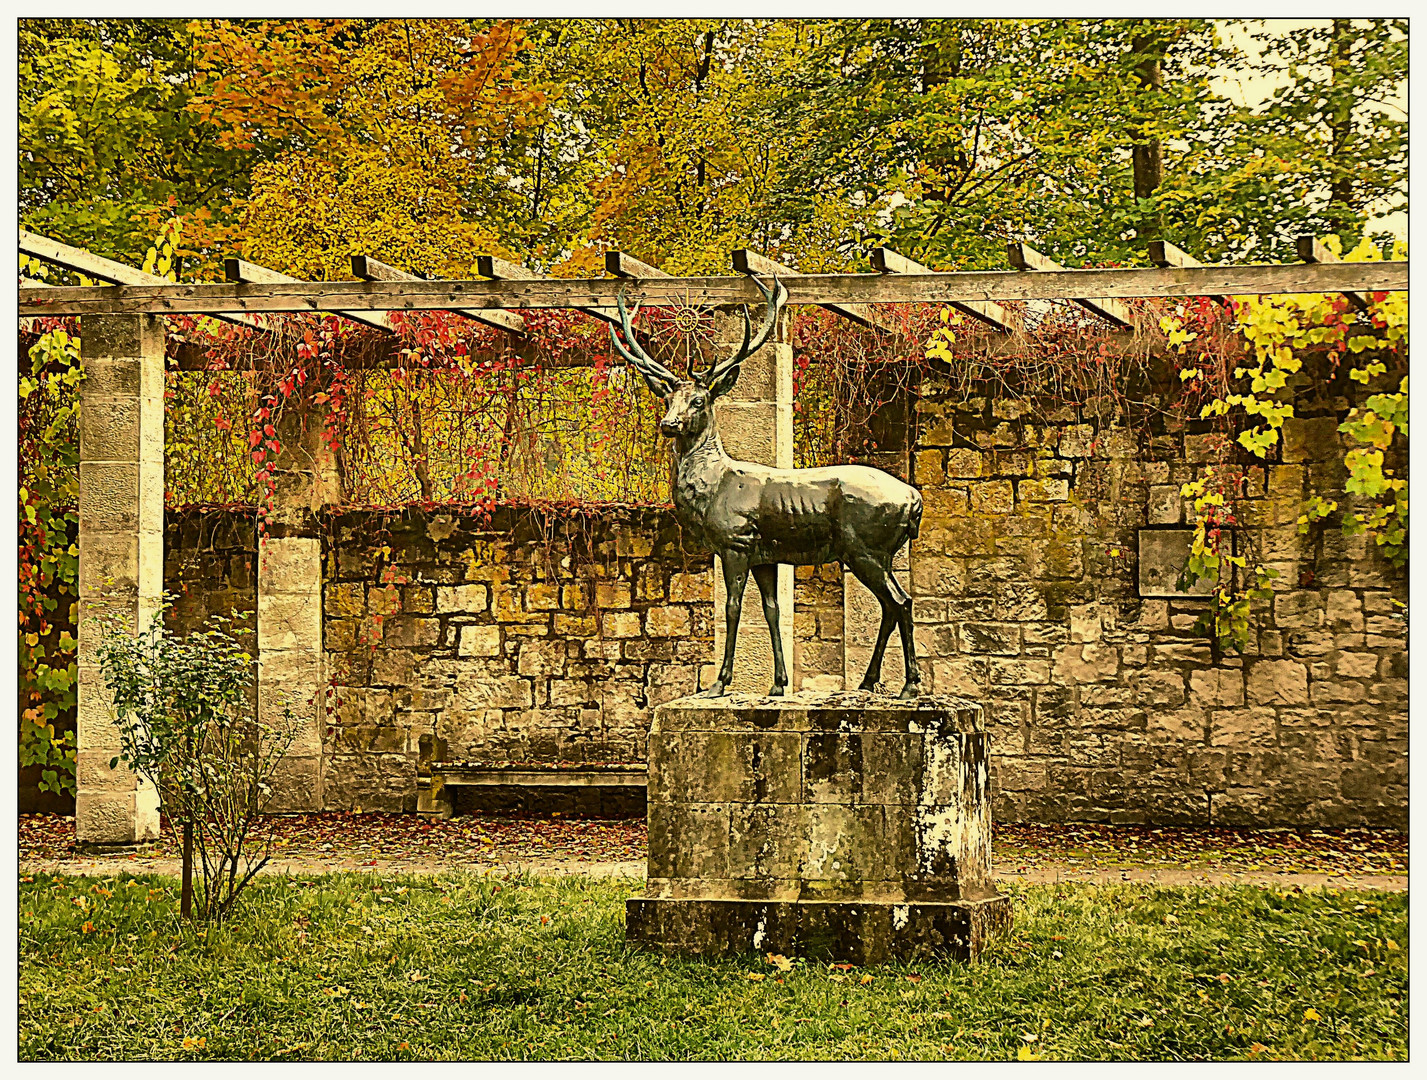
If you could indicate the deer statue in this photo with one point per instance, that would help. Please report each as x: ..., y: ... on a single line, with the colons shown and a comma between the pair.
x: 755, y: 516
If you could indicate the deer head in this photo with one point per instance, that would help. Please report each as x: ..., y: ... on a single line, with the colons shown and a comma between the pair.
x: 690, y: 401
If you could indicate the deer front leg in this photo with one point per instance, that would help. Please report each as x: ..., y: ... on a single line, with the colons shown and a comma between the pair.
x: 767, y: 577
x: 735, y: 577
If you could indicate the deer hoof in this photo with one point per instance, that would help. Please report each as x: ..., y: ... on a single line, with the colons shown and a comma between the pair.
x: 868, y: 687
x: 716, y: 690
x: 911, y: 690
x: 775, y: 691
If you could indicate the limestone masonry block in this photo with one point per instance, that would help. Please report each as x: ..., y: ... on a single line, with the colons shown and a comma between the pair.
x: 621, y: 624
x: 667, y: 621
x: 1278, y: 682
x: 465, y: 599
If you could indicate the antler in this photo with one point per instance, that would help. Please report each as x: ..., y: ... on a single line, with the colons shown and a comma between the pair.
x: 655, y: 373
x: 775, y: 298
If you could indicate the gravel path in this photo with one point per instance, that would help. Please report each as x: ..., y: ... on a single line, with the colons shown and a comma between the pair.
x: 1005, y: 872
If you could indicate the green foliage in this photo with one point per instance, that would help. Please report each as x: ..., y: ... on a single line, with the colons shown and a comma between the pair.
x: 48, y: 557
x: 348, y: 966
x: 181, y: 705
x: 109, y: 146
x: 418, y: 140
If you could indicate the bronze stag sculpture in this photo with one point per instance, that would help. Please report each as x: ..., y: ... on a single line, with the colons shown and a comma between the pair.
x: 755, y: 516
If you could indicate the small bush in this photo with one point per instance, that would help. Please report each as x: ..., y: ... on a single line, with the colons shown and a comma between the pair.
x: 181, y: 705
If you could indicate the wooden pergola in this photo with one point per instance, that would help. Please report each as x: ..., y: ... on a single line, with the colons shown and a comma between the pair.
x: 121, y: 510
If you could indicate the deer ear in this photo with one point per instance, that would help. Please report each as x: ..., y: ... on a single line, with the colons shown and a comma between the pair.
x: 725, y: 382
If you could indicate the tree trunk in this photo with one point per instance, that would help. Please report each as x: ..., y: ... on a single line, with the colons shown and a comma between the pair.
x: 1147, y: 156
x: 185, y: 902
x: 1342, y: 215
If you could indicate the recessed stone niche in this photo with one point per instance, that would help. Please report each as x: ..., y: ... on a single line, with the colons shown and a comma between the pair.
x: 1163, y: 553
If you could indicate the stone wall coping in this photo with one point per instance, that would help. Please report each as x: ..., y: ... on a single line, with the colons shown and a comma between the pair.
x: 819, y: 711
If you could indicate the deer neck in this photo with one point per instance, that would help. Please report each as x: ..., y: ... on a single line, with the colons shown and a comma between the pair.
x: 699, y: 464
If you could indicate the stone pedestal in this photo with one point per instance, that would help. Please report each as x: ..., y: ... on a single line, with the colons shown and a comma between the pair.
x: 841, y: 826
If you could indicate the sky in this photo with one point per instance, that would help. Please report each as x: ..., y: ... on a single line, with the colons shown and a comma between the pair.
x: 1247, y: 88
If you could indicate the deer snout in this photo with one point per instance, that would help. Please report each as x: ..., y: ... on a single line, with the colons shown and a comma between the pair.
x: 671, y: 426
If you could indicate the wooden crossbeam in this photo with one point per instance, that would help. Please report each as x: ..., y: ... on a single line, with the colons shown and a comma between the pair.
x: 886, y: 261
x: 1163, y: 253
x: 365, y: 268
x: 236, y: 270
x: 499, y: 269
x: 627, y: 266
x: 171, y: 299
x: 1025, y: 257
x: 96, y: 266
x: 1312, y: 250
x: 750, y: 262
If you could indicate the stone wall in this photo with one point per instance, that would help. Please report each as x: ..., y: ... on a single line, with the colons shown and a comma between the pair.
x: 1042, y: 584
x: 1102, y: 702
x: 528, y: 638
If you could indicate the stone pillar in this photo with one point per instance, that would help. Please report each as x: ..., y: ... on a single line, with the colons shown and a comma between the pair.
x: 755, y: 421
x: 861, y: 616
x: 292, y: 672
x: 121, y: 557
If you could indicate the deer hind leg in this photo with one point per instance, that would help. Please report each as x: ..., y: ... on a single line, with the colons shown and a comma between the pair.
x: 735, y: 577
x: 767, y: 577
x: 877, y: 578
x: 912, y: 685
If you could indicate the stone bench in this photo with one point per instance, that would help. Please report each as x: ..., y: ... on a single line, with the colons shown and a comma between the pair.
x: 435, y: 780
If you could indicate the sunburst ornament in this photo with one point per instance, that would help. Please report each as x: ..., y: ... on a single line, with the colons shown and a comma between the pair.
x: 686, y: 327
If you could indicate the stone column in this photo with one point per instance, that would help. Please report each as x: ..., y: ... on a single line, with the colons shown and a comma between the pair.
x: 755, y: 421
x: 861, y: 616
x: 292, y: 674
x: 121, y: 531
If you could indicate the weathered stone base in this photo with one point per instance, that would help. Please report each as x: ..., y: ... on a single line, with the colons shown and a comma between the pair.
x: 853, y: 932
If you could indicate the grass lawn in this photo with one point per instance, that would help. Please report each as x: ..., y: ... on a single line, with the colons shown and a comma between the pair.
x: 349, y: 966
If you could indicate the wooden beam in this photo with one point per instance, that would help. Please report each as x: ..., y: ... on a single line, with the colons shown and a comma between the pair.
x: 365, y: 268
x: 96, y: 266
x: 1163, y: 253
x: 1025, y: 257
x: 236, y: 270
x: 886, y: 261
x: 750, y: 262
x: 1311, y: 250
x: 171, y: 299
x: 498, y: 269
x: 627, y: 266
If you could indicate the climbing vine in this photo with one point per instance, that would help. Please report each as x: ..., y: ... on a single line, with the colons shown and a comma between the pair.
x: 1279, y: 331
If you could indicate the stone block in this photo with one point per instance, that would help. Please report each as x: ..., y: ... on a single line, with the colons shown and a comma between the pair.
x: 1216, y: 687
x: 668, y: 621
x: 472, y: 599
x: 1166, y: 505
x: 690, y: 588
x: 965, y: 463
x: 1242, y: 727
x: 1046, y: 490
x: 345, y: 600
x: 479, y: 641
x: 992, y: 497
x: 1277, y: 682
x: 612, y: 595
x: 542, y: 658
x: 621, y: 624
